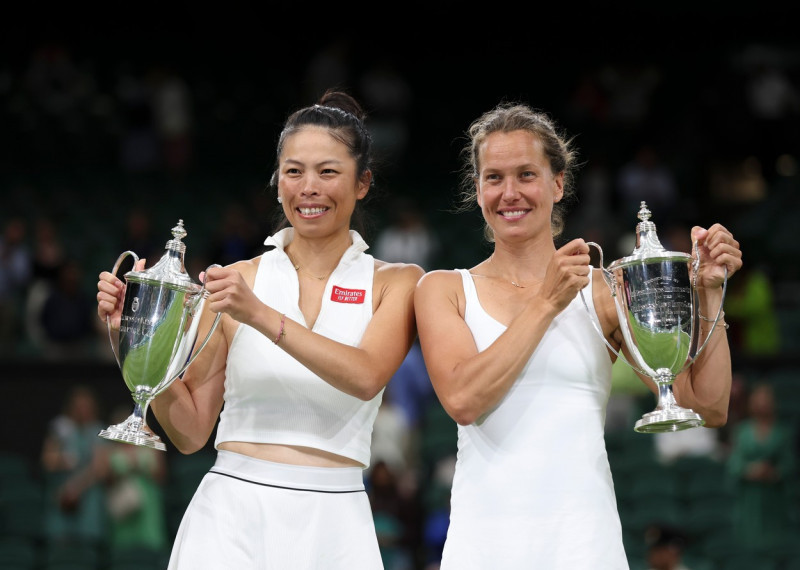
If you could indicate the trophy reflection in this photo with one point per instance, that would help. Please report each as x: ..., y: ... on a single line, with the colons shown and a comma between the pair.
x: 157, y: 333
x: 656, y: 301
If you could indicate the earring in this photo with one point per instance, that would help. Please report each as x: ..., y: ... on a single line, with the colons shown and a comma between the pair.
x: 280, y: 200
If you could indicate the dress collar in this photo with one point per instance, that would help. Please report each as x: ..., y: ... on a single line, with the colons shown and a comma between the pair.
x: 285, y: 236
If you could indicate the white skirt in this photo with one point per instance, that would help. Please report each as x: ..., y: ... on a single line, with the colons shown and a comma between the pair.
x: 253, y: 514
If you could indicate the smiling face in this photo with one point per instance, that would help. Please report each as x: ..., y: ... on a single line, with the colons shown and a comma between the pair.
x: 317, y: 182
x: 516, y: 188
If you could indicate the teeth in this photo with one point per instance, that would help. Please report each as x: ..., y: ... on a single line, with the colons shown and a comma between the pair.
x: 311, y: 211
x: 512, y: 214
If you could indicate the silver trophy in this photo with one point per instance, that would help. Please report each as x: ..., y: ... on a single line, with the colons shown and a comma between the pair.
x: 157, y: 333
x: 655, y: 295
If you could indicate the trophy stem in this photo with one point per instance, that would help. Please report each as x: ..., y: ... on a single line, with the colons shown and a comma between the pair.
x: 134, y: 429
x: 668, y: 415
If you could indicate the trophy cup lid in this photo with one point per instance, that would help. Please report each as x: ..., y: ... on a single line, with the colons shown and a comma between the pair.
x: 648, y: 247
x: 170, y: 269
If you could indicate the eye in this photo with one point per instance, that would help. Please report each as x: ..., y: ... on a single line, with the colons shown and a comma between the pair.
x: 528, y: 174
x: 293, y: 171
x: 328, y: 171
x: 492, y: 177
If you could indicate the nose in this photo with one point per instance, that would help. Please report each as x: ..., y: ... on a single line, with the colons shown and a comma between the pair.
x: 309, y: 187
x: 510, y: 191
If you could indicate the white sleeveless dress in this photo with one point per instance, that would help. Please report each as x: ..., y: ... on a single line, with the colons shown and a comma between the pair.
x: 532, y: 486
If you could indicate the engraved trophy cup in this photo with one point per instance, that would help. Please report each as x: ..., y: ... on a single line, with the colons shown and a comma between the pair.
x: 157, y: 332
x: 656, y: 300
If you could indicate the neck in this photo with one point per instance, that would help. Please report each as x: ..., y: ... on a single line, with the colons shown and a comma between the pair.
x: 521, y: 273
x: 317, y: 258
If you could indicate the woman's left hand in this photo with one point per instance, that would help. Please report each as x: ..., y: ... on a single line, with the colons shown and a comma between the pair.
x: 229, y: 293
x: 718, y: 250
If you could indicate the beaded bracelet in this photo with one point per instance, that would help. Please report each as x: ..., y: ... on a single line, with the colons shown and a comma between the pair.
x: 721, y: 319
x: 281, y: 332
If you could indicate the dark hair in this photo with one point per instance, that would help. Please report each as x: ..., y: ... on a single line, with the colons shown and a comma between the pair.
x: 505, y: 118
x: 343, y: 117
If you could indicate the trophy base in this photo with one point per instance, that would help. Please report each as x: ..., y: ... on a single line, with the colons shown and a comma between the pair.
x: 135, y: 433
x: 666, y: 421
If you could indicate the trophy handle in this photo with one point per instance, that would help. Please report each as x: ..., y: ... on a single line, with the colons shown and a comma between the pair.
x: 199, y: 298
x: 695, y: 269
x: 609, y: 279
x: 108, y: 319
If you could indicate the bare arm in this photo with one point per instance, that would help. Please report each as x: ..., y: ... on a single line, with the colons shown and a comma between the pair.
x: 706, y: 385
x: 470, y: 383
x: 361, y: 371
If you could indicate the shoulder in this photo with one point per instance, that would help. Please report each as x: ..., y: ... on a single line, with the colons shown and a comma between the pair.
x: 398, y: 272
x: 247, y: 267
x: 440, y: 280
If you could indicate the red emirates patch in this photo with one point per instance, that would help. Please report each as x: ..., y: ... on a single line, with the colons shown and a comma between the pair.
x: 342, y: 295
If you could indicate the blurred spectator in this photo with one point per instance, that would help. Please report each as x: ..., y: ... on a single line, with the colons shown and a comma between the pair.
x: 391, y: 437
x: 665, y: 548
x: 172, y: 110
x: 15, y: 275
x: 436, y: 521
x: 750, y: 309
x: 139, y: 236
x: 75, y: 502
x: 594, y: 216
x: 328, y: 68
x: 410, y: 388
x: 388, y: 96
x: 737, y: 410
x: 630, y: 87
x: 236, y: 237
x: 396, y: 517
x: 696, y: 442
x: 135, y: 477
x: 53, y: 79
x: 68, y: 315
x: 761, y: 468
x: 773, y: 101
x: 48, y: 250
x: 407, y: 238
x: 139, y: 144
x: 647, y: 178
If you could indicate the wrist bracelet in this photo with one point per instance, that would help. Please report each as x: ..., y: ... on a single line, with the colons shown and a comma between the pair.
x: 721, y: 319
x: 281, y: 332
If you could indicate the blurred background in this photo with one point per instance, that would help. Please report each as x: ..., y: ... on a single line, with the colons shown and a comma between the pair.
x: 114, y: 127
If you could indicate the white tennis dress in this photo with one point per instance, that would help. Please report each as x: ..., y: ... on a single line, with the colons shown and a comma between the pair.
x: 250, y: 514
x: 532, y: 486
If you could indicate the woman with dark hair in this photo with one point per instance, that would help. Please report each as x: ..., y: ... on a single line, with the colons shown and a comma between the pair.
x: 311, y: 333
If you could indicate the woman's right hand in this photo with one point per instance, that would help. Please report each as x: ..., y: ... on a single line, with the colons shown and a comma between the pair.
x: 567, y: 273
x: 110, y: 295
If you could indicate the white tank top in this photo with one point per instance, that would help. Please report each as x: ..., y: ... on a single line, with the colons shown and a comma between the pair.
x: 532, y: 486
x: 269, y: 396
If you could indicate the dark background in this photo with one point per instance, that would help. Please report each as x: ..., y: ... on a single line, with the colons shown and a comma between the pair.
x: 247, y: 65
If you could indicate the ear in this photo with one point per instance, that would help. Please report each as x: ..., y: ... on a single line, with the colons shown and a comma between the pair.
x: 364, y: 184
x: 559, y: 190
x: 478, y: 193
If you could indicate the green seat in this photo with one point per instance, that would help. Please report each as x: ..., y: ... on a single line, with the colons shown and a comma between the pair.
x: 18, y: 554
x: 650, y: 485
x: 705, y: 517
x: 131, y: 558
x: 654, y: 511
x: 66, y: 556
x: 698, y: 562
x: 689, y: 467
x: 21, y: 509
x: 703, y: 485
x: 13, y: 466
x: 746, y: 561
